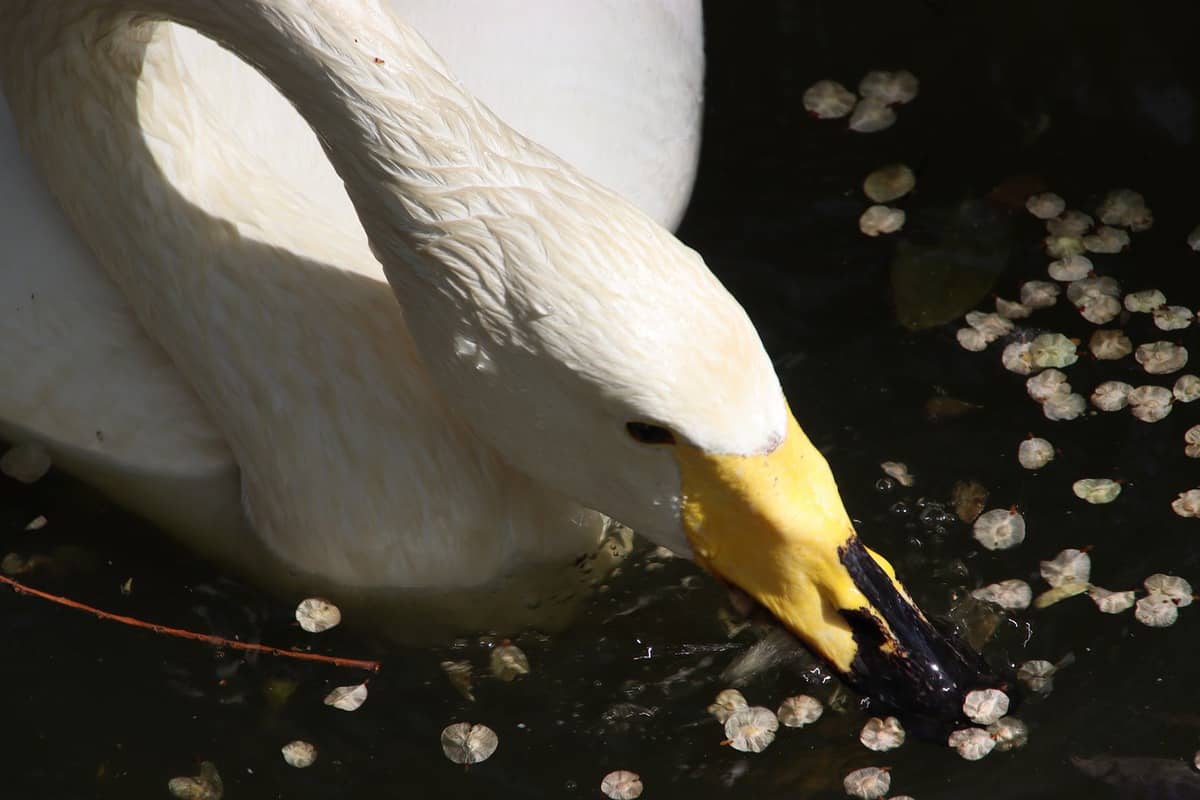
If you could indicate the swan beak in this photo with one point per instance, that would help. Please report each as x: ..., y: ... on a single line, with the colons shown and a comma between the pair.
x: 774, y: 525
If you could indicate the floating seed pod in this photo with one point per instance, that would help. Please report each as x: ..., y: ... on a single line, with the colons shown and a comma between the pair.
x: 1172, y: 318
x: 968, y: 499
x: 1187, y: 504
x: 1016, y: 357
x: 464, y: 743
x: 459, y: 675
x: 1059, y: 593
x: 1120, y: 207
x: 37, y: 523
x: 751, y: 730
x: 1010, y: 310
x: 1106, y: 239
x: 622, y: 784
x: 205, y: 786
x: 1009, y: 733
x: 898, y: 471
x: 1038, y: 675
x: 347, y: 698
x: 316, y: 614
x: 1161, y: 358
x: 1046, y: 205
x: 1052, y: 350
x: 1069, y: 223
x: 1100, y: 310
x: 1191, y: 442
x: 1145, y: 301
x: 1174, y: 588
x: 508, y: 661
x: 1013, y: 594
x: 868, y: 783
x: 801, y: 710
x: 1150, y: 403
x: 992, y: 326
x: 972, y: 743
x: 1111, y: 395
x: 1035, y: 453
x: 1096, y: 491
x: 881, y: 219
x: 892, y: 88
x: 1070, y: 268
x: 299, y: 754
x: 871, y: 115
x: 882, y: 735
x: 1111, y: 602
x: 829, y: 100
x: 1064, y: 407
x: 1193, y: 241
x: 727, y: 702
x: 1069, y: 566
x: 1063, y: 246
x: 999, y: 529
x: 971, y: 339
x: 1186, y: 389
x: 1156, y: 611
x: 1046, y: 384
x: 1039, y: 294
x: 1088, y: 289
x: 25, y: 463
x: 985, y: 706
x: 1110, y: 345
x: 889, y: 183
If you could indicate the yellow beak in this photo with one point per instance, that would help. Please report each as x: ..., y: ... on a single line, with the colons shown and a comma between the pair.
x: 773, y: 524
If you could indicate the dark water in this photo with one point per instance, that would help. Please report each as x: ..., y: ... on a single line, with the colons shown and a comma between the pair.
x: 1083, y: 97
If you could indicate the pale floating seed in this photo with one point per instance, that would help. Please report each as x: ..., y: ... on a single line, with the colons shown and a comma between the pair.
x: 991, y: 325
x: 972, y: 743
x: 898, y: 471
x: 1039, y: 294
x: 347, y: 698
x: 1010, y: 310
x: 829, y: 100
x: 1178, y: 590
x: 882, y: 735
x: 971, y: 339
x: 25, y: 463
x: 1060, y: 593
x: 1063, y: 246
x: 299, y: 754
x: 1193, y: 241
x: 727, y: 702
x: 1071, y: 268
x: 1187, y: 504
x: 1035, y: 453
x: 1100, y: 310
x: 1111, y: 395
x: 205, y: 786
x: 1106, y: 239
x: 1111, y: 602
x: 968, y: 498
x: 999, y: 529
x: 1069, y: 223
x: 868, y: 783
x: 1013, y: 594
x: 1186, y: 389
x: 889, y: 183
x: 1015, y: 357
x: 890, y: 87
x: 871, y: 116
x: 1156, y: 611
x: 1145, y: 301
x: 1096, y: 491
x: 1038, y: 675
x: 316, y: 614
x: 881, y: 219
x: 464, y: 743
x: 751, y: 730
x: 985, y: 706
x: 1052, y: 350
x: 1069, y: 566
x: 1120, y: 207
x: 1086, y: 289
x: 1172, y: 318
x: 1046, y: 384
x: 1191, y: 442
x: 800, y: 710
x: 1008, y: 733
x: 1161, y: 358
x: 1110, y: 345
x: 1045, y: 205
x: 1150, y: 403
x: 37, y: 523
x: 459, y: 675
x: 508, y: 662
x: 1064, y: 407
x: 622, y: 784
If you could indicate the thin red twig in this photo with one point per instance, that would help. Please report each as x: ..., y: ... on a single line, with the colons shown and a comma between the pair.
x: 353, y: 663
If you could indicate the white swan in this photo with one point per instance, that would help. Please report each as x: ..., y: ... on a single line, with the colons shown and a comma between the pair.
x: 553, y: 350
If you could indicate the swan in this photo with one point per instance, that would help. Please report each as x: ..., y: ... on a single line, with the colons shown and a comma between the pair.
x: 541, y: 357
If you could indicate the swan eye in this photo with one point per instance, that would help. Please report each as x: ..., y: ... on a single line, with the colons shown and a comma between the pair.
x: 647, y: 433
